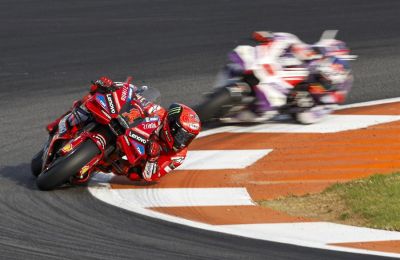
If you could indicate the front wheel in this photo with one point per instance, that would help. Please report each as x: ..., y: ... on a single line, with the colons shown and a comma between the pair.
x: 65, y: 167
x: 312, y: 115
x: 216, y: 105
x: 36, y: 163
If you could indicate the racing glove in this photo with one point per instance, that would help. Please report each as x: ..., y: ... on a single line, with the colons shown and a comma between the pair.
x: 150, y: 170
x: 153, y: 153
x: 103, y: 85
x: 153, y: 149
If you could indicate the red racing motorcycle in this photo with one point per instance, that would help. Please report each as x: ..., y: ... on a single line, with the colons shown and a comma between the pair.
x: 118, y: 129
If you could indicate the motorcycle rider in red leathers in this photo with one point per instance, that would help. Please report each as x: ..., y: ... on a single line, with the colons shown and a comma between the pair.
x: 166, y: 148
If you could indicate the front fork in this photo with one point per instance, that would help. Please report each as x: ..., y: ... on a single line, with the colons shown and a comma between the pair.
x: 71, y: 146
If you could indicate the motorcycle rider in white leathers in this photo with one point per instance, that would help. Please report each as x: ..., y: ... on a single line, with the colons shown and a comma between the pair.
x: 282, y: 60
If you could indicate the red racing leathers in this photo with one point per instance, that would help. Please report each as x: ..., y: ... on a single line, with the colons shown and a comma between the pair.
x: 161, y: 159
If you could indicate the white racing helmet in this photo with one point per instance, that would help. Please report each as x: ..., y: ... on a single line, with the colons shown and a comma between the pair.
x: 333, y: 71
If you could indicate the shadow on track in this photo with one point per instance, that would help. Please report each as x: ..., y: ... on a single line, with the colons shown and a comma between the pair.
x: 19, y: 175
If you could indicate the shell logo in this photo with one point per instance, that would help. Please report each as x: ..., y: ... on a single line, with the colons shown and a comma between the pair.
x: 67, y: 148
x: 84, y: 169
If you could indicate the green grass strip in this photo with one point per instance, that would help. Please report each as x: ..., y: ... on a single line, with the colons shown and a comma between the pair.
x: 371, y: 202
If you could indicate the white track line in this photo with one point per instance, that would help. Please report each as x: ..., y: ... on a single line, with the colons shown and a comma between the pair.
x: 222, y: 159
x: 183, y: 197
x: 319, y: 233
x: 275, y: 126
x: 103, y: 192
x: 217, y: 130
x: 331, y: 124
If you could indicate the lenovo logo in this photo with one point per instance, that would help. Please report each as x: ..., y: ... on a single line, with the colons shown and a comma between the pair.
x: 111, y: 103
x: 137, y: 137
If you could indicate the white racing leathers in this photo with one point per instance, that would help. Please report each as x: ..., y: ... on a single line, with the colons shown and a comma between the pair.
x: 277, y: 69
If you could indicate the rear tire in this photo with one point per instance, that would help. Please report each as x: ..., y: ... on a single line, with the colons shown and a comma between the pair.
x: 37, y: 163
x: 216, y: 105
x: 65, y: 167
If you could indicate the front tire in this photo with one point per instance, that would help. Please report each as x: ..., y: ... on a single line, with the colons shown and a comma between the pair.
x: 313, y: 115
x: 216, y: 105
x: 37, y: 163
x: 64, y: 167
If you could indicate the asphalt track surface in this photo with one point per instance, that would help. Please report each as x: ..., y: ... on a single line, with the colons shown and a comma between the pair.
x: 50, y: 50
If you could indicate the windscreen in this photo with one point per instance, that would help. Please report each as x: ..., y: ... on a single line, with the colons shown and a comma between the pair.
x: 150, y: 94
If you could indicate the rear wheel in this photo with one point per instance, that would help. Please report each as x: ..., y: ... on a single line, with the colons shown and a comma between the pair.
x: 65, y: 167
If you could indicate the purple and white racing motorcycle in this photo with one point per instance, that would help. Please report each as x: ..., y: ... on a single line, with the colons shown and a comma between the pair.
x: 309, y: 97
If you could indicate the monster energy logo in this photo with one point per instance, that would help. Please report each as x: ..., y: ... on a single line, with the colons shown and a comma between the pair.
x: 174, y: 110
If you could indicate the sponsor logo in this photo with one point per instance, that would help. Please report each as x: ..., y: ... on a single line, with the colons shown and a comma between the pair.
x: 102, y: 101
x: 149, y: 126
x: 132, y: 115
x: 151, y: 119
x: 194, y: 126
x: 111, y: 103
x: 84, y: 169
x: 137, y: 137
x: 139, y: 148
x: 192, y: 118
x: 67, y: 148
x: 124, y: 93
x: 175, y: 110
x: 193, y: 121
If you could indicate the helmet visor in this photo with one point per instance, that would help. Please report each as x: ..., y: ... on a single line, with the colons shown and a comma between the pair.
x: 182, y: 138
